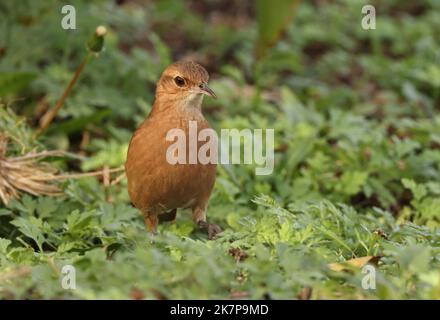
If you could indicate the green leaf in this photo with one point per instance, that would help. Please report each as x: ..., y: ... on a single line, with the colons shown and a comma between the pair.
x: 414, y: 258
x: 272, y: 19
x: 334, y: 237
x: 5, y: 212
x: 285, y: 232
x: 4, y: 243
x: 418, y: 190
x: 26, y: 205
x: 113, y: 155
x: 31, y: 228
x: 78, y: 124
x: 46, y: 206
x: 65, y: 247
x: 351, y: 182
x: 11, y: 83
x: 77, y: 221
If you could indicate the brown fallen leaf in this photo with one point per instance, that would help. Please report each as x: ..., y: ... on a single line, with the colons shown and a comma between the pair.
x: 356, y: 262
x: 137, y: 294
x: 238, y: 254
x: 158, y: 295
x: 304, y: 294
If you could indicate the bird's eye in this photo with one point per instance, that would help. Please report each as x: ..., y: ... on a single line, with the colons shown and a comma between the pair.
x: 179, y: 81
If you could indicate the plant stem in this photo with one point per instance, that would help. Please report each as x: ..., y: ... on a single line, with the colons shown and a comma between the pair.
x: 48, y: 117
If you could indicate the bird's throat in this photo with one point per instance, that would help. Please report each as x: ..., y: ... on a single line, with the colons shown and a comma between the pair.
x: 193, y: 100
x: 190, y: 104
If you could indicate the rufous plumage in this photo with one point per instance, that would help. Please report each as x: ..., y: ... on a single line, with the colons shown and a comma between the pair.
x: 156, y: 187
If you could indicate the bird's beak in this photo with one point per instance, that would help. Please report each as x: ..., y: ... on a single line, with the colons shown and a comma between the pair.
x: 206, y: 90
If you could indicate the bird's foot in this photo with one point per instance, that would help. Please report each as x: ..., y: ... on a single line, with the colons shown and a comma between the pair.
x: 152, y: 237
x: 213, y: 229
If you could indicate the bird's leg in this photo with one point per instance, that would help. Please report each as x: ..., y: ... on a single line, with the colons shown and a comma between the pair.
x: 151, y: 222
x: 199, y: 217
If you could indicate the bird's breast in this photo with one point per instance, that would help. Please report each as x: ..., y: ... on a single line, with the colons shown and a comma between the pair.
x: 152, y: 180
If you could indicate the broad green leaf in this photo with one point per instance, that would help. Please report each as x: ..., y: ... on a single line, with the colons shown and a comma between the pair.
x: 273, y: 18
x: 419, y: 191
x: 4, y: 243
x: 46, y: 206
x: 32, y: 228
x: 414, y: 258
x: 351, y: 182
x: 77, y: 221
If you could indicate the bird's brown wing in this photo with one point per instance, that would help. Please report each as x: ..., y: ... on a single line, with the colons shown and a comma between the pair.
x: 144, y: 165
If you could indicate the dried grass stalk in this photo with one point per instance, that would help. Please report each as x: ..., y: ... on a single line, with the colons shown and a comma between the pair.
x: 25, y: 173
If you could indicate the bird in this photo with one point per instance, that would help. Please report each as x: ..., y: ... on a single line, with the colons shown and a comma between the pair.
x: 156, y: 187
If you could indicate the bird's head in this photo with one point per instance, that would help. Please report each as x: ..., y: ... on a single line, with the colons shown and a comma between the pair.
x: 184, y: 82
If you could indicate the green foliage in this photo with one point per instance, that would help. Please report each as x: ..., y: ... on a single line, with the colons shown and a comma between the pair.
x: 17, y: 131
x: 357, y: 162
x: 272, y: 20
x: 13, y: 82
